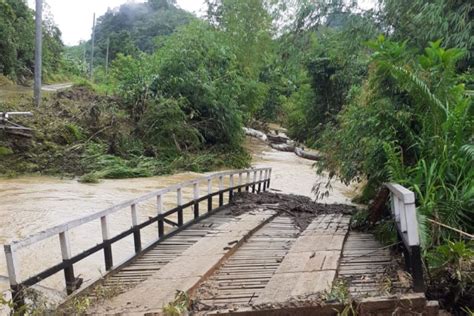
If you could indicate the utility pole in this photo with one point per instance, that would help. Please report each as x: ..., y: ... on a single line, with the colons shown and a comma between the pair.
x: 107, y: 57
x: 38, y: 51
x: 84, y: 59
x: 92, y: 51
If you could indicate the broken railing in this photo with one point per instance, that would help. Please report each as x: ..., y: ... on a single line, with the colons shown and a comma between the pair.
x: 11, y: 127
x: 404, y: 212
x: 254, y: 180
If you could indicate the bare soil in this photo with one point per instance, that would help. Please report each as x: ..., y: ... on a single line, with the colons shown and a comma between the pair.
x: 302, y: 209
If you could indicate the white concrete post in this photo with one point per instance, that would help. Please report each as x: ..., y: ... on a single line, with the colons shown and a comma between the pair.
x: 12, y: 265
x: 65, y: 245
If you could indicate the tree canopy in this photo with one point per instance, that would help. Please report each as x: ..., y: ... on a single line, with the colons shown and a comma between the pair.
x: 17, y: 31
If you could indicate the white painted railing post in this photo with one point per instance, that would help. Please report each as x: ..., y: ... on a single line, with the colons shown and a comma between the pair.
x: 12, y: 265
x: 240, y: 182
x: 209, y: 192
x: 221, y: 183
x: 209, y: 186
x: 133, y: 209
x: 265, y: 177
x: 137, y: 239
x: 221, y: 187
x: 66, y: 256
x: 231, y: 186
x: 107, y: 245
x: 247, y: 188
x: 159, y: 204
x: 179, y: 196
x: 396, y: 208
x: 14, y: 276
x: 254, y: 180
x: 269, y: 178
x: 411, y: 220
x: 159, y: 211
x: 196, y: 198
x: 403, y: 219
x: 65, y: 245
x: 404, y: 211
x: 260, y: 181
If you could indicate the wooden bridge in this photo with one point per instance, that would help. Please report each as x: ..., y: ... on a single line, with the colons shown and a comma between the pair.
x: 255, y: 260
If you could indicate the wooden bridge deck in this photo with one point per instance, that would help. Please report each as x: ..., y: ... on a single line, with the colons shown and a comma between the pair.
x: 147, y: 264
x: 227, y: 262
x: 242, y: 258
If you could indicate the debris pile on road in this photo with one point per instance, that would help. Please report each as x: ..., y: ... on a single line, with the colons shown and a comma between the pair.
x: 301, y: 208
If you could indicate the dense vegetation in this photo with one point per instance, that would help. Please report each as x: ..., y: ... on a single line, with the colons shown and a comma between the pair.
x: 17, y: 31
x: 385, y: 94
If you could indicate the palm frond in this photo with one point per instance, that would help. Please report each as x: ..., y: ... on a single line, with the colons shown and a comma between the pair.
x: 468, y: 149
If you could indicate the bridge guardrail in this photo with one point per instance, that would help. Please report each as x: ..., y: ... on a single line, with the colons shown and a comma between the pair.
x: 250, y: 183
x: 404, y: 212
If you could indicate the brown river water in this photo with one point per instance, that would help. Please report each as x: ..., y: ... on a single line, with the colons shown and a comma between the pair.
x: 35, y: 203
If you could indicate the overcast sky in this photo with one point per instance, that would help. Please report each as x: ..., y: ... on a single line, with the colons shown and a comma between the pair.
x: 74, y: 18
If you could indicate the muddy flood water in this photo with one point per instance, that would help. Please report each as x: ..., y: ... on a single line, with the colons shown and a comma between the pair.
x: 33, y: 204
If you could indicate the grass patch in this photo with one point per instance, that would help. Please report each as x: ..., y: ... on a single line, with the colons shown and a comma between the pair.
x: 4, y: 151
x: 89, y: 178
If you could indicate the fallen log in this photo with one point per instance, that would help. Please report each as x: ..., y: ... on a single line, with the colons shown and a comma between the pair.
x: 307, y: 155
x: 254, y: 133
x: 277, y: 139
x: 283, y: 147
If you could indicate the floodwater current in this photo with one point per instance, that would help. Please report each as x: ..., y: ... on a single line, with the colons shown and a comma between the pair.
x: 35, y: 203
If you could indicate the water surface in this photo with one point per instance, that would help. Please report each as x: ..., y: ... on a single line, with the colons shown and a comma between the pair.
x: 33, y: 204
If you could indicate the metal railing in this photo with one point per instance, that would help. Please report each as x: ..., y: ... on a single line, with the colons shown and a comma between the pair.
x: 404, y: 212
x: 256, y: 181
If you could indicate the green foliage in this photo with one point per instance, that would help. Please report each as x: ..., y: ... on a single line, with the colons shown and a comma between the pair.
x: 89, y: 178
x: 360, y: 219
x: 179, y: 306
x: 450, y: 267
x: 386, y: 232
x: 410, y: 123
x: 5, y: 151
x: 339, y: 292
x: 247, y: 24
x: 72, y: 133
x: 332, y: 61
x: 17, y: 44
x: 205, y: 80
x: 132, y: 78
x: 421, y: 21
x: 165, y: 127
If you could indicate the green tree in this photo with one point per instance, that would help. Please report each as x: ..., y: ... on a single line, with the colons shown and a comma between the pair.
x: 411, y: 123
x: 197, y: 65
x: 420, y: 21
x: 17, y: 41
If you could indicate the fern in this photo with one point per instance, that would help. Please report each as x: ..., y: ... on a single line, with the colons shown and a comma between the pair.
x: 403, y: 76
x: 468, y: 150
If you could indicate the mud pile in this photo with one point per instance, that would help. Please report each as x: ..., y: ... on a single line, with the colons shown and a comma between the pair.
x: 301, y: 208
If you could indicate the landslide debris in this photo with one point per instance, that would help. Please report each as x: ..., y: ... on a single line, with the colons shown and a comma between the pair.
x: 302, y: 209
